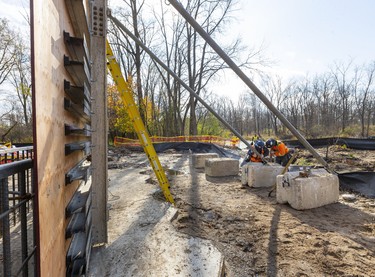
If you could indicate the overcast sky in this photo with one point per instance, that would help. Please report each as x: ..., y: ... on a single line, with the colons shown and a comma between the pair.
x: 14, y: 11
x: 301, y: 36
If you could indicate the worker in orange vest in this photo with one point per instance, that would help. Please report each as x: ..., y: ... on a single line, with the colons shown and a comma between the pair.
x: 279, y: 150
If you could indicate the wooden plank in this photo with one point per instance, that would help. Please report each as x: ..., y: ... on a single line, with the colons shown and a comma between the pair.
x: 99, y: 122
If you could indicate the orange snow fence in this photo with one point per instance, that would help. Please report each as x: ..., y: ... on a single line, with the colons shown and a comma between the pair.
x: 120, y: 141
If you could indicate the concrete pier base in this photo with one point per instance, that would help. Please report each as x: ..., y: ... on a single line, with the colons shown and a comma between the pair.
x: 220, y: 167
x: 318, y: 189
x: 260, y: 175
x: 199, y: 159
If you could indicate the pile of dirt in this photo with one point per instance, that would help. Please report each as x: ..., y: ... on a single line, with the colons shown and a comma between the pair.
x: 341, y: 159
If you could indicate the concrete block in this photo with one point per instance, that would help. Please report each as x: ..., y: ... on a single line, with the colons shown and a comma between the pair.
x: 199, y: 159
x: 260, y: 175
x: 220, y: 167
x: 318, y: 189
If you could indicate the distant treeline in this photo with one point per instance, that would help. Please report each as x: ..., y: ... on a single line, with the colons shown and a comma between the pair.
x: 339, y: 102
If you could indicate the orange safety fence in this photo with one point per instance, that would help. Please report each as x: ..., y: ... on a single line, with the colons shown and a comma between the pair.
x: 233, y: 142
x: 11, y: 154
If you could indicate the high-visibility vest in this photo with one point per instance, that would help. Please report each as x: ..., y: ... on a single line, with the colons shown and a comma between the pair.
x: 280, y: 149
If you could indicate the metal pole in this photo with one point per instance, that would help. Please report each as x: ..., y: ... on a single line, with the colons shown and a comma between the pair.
x: 148, y: 51
x: 5, y: 231
x: 23, y: 215
x: 245, y: 79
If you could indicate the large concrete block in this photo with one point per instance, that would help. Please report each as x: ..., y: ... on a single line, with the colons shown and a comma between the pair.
x: 318, y: 189
x: 199, y: 159
x: 220, y: 167
x: 260, y: 175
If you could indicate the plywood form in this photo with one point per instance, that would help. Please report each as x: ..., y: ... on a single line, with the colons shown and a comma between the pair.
x: 50, y: 20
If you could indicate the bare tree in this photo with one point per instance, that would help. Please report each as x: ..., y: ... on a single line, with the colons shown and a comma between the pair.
x: 130, y: 55
x: 8, y: 49
x: 198, y: 64
x: 322, y: 89
x: 20, y: 77
x: 168, y: 47
x: 343, y: 84
x: 15, y: 72
x: 276, y: 92
x: 364, y: 97
x: 202, y: 62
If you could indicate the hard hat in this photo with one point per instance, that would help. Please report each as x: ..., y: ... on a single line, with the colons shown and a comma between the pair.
x: 271, y: 142
x: 259, y: 146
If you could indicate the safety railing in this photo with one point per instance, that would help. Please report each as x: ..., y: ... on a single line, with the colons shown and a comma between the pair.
x: 17, y: 224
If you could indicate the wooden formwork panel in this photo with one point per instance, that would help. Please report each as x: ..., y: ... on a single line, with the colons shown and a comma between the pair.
x: 51, y: 20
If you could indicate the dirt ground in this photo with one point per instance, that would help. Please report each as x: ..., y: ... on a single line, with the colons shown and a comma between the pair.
x: 257, y: 236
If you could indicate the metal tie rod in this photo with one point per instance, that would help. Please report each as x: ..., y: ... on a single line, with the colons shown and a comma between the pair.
x: 140, y: 43
x: 245, y: 79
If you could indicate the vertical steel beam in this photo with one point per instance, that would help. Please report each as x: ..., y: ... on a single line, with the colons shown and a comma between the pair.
x: 23, y: 215
x: 99, y: 120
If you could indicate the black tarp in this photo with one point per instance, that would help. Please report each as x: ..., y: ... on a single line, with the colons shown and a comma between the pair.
x: 354, y: 143
x: 359, y: 182
x: 314, y: 142
x: 195, y: 147
x: 360, y: 144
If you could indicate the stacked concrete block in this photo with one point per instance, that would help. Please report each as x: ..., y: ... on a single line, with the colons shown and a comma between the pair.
x: 199, y: 159
x: 307, y: 191
x: 260, y: 175
x: 221, y: 167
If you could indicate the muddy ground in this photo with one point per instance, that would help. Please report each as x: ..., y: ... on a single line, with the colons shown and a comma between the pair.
x: 257, y: 236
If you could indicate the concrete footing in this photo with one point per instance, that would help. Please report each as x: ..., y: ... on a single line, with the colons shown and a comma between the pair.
x: 199, y: 159
x: 319, y: 188
x: 259, y: 175
x: 220, y: 167
x: 171, y: 253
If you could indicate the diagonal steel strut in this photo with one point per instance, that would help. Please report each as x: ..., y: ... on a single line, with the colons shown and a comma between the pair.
x: 246, y: 80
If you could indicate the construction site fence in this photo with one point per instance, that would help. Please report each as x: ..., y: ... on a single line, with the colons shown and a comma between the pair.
x: 233, y: 142
x: 12, y: 154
